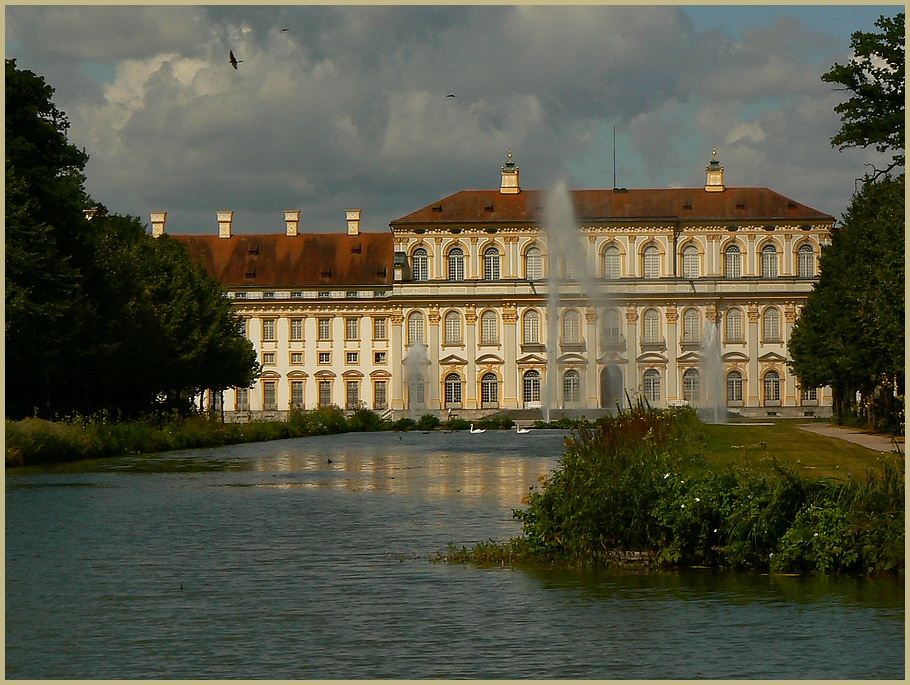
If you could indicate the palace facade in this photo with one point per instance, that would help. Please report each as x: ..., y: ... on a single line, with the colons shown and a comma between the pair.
x: 544, y: 303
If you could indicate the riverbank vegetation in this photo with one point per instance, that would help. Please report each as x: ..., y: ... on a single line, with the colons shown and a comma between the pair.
x: 636, y: 488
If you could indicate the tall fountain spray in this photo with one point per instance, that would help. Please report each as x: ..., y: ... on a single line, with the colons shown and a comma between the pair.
x: 416, y: 365
x: 713, y: 407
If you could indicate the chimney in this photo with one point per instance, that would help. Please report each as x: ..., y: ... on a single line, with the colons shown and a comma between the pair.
x: 224, y: 224
x: 509, y: 184
x: 292, y: 220
x: 157, y: 219
x: 353, y: 216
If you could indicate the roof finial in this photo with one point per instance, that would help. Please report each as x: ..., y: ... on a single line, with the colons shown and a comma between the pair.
x: 715, y: 152
x: 510, y: 155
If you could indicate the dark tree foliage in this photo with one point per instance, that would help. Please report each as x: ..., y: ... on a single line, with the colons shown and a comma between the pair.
x: 99, y: 315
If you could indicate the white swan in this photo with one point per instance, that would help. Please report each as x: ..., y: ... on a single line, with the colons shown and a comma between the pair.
x: 519, y: 429
x: 477, y: 430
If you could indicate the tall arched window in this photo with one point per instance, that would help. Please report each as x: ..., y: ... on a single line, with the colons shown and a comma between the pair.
x: 691, y: 326
x: 491, y: 264
x: 571, y: 386
x: 489, y: 389
x: 690, y: 262
x: 533, y: 264
x: 612, y: 330
x: 691, y: 386
x: 771, y: 325
x: 531, y: 327
x: 569, y: 272
x: 531, y: 388
x: 612, y: 262
x: 415, y: 328
x: 732, y: 262
x: 650, y: 259
x: 571, y: 327
x: 453, y: 328
x: 453, y: 389
x: 772, y: 387
x: 489, y: 328
x: 734, y: 387
x: 650, y: 323
x: 769, y: 261
x: 651, y: 385
x: 456, y: 264
x: 420, y: 270
x: 806, y: 262
x: 734, y: 325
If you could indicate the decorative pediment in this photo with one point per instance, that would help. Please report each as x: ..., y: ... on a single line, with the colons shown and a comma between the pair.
x: 488, y: 359
x: 531, y: 360
x: 572, y: 358
x: 379, y: 373
x: 651, y: 358
x: 325, y: 373
x: 453, y: 359
x: 269, y: 376
x: 733, y: 357
x: 297, y: 375
x: 612, y: 358
x: 689, y: 358
x: 352, y: 374
x: 771, y: 357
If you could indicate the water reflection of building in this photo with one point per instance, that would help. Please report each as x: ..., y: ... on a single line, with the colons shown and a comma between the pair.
x: 461, y: 286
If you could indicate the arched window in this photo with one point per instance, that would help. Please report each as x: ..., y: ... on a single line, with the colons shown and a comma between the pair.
x: 491, y: 264
x: 769, y: 261
x: 771, y: 325
x: 612, y: 262
x: 569, y: 271
x: 734, y: 325
x: 415, y: 328
x: 531, y: 327
x: 571, y: 387
x: 772, y: 387
x: 690, y: 262
x: 732, y: 262
x: 453, y: 389
x: 806, y: 262
x: 651, y: 262
x: 420, y: 270
x: 489, y: 328
x: 489, y: 389
x: 417, y: 396
x: 691, y: 326
x: 691, y: 386
x: 734, y: 387
x: 571, y: 327
x: 650, y: 323
x: 456, y: 264
x: 453, y: 328
x: 651, y: 385
x: 532, y: 388
x: 612, y: 330
x: 533, y: 264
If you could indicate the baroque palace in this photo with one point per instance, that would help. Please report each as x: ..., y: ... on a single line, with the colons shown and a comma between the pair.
x: 496, y: 301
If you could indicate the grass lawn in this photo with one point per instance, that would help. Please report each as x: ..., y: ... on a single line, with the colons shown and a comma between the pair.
x: 812, y: 454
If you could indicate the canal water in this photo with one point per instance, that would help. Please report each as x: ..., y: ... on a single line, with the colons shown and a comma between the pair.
x: 311, y: 559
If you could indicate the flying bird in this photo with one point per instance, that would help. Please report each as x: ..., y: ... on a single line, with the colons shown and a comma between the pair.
x: 450, y: 95
x: 233, y: 60
x: 285, y: 29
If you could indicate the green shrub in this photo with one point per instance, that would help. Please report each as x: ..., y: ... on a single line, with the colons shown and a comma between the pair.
x: 428, y: 422
x: 404, y: 424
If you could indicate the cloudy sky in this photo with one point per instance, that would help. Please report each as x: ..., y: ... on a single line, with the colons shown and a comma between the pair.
x: 341, y: 107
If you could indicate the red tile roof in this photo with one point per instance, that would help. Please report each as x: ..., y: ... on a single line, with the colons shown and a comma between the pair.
x: 684, y: 204
x: 307, y: 260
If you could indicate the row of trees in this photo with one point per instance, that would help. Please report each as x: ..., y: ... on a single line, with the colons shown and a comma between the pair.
x: 99, y: 315
x: 850, y: 334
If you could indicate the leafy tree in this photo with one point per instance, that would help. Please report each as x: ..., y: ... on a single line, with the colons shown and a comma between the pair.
x: 874, y: 114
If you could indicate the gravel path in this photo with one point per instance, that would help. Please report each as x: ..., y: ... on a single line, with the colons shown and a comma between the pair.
x: 872, y: 441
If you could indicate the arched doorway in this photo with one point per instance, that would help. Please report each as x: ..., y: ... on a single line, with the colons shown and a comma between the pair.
x: 612, y: 390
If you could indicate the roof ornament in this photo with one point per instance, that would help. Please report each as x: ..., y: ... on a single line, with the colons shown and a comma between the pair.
x: 510, y: 184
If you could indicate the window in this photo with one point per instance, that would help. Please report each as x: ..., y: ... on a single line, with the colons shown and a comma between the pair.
x: 732, y: 266
x: 533, y: 264
x: 734, y: 325
x: 415, y: 328
x: 491, y: 264
x: 456, y: 264
x: 379, y: 357
x: 324, y: 294
x: 651, y: 262
x: 268, y: 329
x: 806, y: 262
x: 571, y: 327
x: 691, y: 326
x: 532, y: 388
x: 769, y: 261
x: 380, y: 400
x: 325, y: 357
x: 650, y: 326
x: 352, y: 395
x: 325, y: 329
x: 296, y: 329
x: 351, y: 329
x: 453, y: 328
x: 242, y: 327
x: 772, y: 387
x: 571, y: 387
x: 771, y: 325
x: 612, y: 328
x: 809, y: 395
x: 379, y: 329
x: 352, y: 293
x: 352, y: 357
x: 269, y: 400
x: 691, y: 386
x: 268, y: 357
x: 612, y: 262
x: 297, y: 358
x: 297, y: 394
x: 325, y: 393
x: 734, y: 387
x: 651, y: 385
x: 417, y: 390
x: 489, y: 328
x: 242, y: 398
x: 690, y: 262
x: 531, y: 327
x: 489, y: 389
x: 453, y: 389
x: 268, y: 296
x: 568, y: 270
x: 420, y: 265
